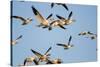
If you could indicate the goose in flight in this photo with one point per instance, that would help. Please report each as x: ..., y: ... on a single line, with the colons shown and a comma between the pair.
x: 83, y: 33
x: 30, y: 60
x: 56, y: 23
x: 14, y: 42
x: 43, y: 22
x: 64, y: 5
x: 66, y: 21
x: 42, y: 57
x: 66, y: 46
x: 86, y: 33
x: 55, y: 61
x: 24, y: 21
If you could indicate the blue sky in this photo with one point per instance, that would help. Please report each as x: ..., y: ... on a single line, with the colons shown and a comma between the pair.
x: 41, y: 39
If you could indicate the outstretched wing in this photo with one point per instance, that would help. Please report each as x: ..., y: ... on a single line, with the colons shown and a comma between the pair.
x: 49, y: 16
x: 52, y: 5
x: 61, y: 44
x: 69, y: 40
x: 49, y: 62
x: 36, y: 62
x: 47, y: 50
x: 60, y: 17
x: 39, y: 17
x: 64, y: 5
x: 61, y: 26
x: 25, y: 61
x: 37, y: 53
x: 19, y: 37
x: 70, y: 15
x: 18, y: 17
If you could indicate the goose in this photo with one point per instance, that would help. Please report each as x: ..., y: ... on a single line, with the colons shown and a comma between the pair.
x: 43, y: 22
x: 83, y: 33
x: 42, y: 57
x: 66, y: 46
x: 30, y: 60
x: 56, y: 23
x: 55, y: 61
x: 24, y: 21
x: 66, y: 21
x: 14, y: 42
x: 86, y: 33
x: 64, y: 5
x: 89, y: 34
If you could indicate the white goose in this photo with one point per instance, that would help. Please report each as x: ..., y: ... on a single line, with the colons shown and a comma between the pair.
x: 43, y: 22
x: 66, y: 21
x: 14, y: 42
x: 55, y: 61
x: 66, y: 46
x: 24, y: 21
x: 56, y: 23
x: 30, y: 60
x: 64, y: 5
x: 41, y: 56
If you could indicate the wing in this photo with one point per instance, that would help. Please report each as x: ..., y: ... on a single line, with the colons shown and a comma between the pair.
x: 36, y: 53
x: 61, y: 44
x: 19, y: 37
x: 47, y: 50
x: 18, y: 17
x: 64, y: 5
x: 70, y: 15
x: 39, y: 17
x: 52, y: 5
x: 69, y: 40
x: 36, y: 63
x: 49, y: 16
x: 61, y: 26
x: 60, y: 17
x: 25, y: 61
x: 49, y: 62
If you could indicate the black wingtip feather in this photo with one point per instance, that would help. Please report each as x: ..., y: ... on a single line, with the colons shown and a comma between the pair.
x: 34, y: 10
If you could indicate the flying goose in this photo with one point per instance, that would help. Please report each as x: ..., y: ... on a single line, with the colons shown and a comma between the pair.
x: 14, y: 42
x: 56, y: 23
x: 55, y: 61
x: 66, y: 46
x: 42, y: 57
x: 64, y: 5
x: 88, y: 34
x: 66, y: 21
x: 83, y: 33
x: 24, y: 21
x: 30, y: 60
x: 43, y: 22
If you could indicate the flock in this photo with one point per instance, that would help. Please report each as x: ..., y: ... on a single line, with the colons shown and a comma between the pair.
x: 50, y: 24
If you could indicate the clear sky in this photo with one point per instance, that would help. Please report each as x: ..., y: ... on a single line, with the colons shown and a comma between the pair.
x: 41, y: 39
